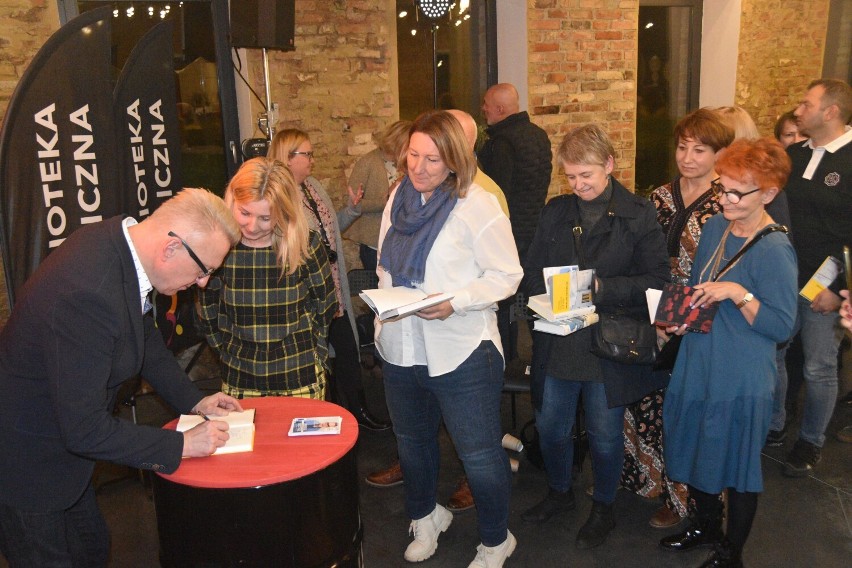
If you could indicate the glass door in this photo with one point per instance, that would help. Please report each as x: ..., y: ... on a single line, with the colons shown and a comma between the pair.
x: 446, y: 62
x: 667, y: 88
x: 203, y: 78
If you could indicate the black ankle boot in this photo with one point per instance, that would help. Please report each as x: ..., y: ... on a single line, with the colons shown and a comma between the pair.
x: 725, y: 555
x: 365, y: 418
x: 554, y: 503
x: 706, y: 532
x: 596, y: 529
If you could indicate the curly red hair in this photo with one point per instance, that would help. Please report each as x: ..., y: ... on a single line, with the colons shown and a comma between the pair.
x: 764, y: 161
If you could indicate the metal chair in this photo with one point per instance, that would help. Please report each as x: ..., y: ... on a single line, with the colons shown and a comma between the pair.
x: 516, y: 377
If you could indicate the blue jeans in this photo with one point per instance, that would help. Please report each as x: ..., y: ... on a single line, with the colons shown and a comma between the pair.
x: 604, y: 427
x: 779, y: 399
x: 76, y: 537
x: 821, y: 336
x: 468, y: 399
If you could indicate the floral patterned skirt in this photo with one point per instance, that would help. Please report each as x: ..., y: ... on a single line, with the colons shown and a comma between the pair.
x: 644, y: 470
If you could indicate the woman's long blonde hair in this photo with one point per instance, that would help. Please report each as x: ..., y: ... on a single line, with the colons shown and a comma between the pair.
x: 269, y: 179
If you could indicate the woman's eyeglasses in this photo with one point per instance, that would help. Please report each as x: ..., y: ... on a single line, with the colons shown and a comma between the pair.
x: 205, y: 272
x: 308, y: 155
x: 733, y: 195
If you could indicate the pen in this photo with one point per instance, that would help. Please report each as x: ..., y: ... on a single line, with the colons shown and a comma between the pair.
x: 201, y: 414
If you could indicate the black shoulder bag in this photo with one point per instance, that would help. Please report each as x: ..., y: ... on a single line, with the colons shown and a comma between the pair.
x: 619, y: 337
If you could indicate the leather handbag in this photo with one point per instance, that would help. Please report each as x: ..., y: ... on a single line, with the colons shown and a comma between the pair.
x: 624, y: 339
x: 619, y: 337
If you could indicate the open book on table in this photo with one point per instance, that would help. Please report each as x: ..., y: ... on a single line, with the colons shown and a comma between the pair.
x: 399, y: 301
x: 241, y: 430
x: 315, y: 426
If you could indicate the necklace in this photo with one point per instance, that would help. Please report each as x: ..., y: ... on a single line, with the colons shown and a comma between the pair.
x: 718, y: 255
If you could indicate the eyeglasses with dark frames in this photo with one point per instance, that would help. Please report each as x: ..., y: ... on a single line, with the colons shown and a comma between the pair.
x: 733, y: 195
x: 205, y: 272
x: 308, y: 155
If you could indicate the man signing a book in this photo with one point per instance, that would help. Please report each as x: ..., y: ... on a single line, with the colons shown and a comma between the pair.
x: 80, y: 329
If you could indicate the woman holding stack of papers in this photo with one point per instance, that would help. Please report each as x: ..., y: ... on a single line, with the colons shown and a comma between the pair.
x: 441, y: 233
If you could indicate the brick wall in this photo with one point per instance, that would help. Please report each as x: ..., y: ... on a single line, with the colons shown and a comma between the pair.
x: 582, y: 69
x: 339, y: 85
x: 780, y: 52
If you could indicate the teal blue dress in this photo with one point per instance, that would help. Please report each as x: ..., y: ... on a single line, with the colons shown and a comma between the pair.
x: 719, y: 401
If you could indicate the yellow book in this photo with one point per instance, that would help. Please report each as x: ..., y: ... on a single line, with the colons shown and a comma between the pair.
x: 822, y: 278
x: 561, y: 292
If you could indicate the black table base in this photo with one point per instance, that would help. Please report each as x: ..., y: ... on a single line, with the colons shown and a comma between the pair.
x: 310, y: 522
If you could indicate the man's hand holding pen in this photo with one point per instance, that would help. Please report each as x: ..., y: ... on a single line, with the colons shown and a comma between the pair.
x: 203, y: 440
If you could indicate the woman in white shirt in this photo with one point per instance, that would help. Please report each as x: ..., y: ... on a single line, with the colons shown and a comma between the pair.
x: 442, y: 233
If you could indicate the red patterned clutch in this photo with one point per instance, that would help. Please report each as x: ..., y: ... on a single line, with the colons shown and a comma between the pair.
x: 674, y: 309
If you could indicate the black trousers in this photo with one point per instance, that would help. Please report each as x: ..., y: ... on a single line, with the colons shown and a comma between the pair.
x: 346, y: 366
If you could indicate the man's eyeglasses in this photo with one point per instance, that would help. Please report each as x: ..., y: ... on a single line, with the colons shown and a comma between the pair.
x: 308, y: 155
x: 733, y: 195
x: 205, y: 272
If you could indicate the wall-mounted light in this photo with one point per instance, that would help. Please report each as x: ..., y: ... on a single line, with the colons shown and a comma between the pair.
x: 649, y: 25
x: 403, y: 14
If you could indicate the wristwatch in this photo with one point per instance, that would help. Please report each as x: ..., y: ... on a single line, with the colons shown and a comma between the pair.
x: 746, y: 299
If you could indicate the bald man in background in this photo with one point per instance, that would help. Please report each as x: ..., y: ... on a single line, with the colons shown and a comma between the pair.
x: 517, y: 155
x: 481, y: 178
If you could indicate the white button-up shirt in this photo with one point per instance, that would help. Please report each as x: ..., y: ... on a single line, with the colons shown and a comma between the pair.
x: 474, y: 258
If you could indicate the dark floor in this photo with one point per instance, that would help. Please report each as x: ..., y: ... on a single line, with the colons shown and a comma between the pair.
x: 800, y: 522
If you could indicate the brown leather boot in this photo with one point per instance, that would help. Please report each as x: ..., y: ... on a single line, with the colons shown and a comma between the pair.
x: 386, y: 477
x: 665, y: 518
x: 462, y: 499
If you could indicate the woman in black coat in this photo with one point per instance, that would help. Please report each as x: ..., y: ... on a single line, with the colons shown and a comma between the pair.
x: 621, y: 239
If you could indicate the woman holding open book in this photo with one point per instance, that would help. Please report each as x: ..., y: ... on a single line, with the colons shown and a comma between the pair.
x: 441, y: 233
x: 266, y: 311
x: 600, y: 226
x: 719, y: 401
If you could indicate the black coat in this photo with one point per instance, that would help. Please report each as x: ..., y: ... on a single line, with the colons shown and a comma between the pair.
x: 76, y: 334
x: 628, y: 252
x: 518, y: 157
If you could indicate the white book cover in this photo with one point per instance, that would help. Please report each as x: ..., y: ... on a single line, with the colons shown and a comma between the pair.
x: 240, y: 430
x: 315, y: 426
x: 541, y: 305
x: 399, y: 301
x: 565, y: 326
x: 652, y: 296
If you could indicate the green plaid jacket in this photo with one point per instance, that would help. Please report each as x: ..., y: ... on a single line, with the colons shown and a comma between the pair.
x: 270, y: 331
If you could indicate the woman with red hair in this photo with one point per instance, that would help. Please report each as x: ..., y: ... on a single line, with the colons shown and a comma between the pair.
x: 719, y: 401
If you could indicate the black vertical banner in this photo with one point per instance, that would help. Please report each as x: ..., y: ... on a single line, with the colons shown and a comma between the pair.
x: 147, y: 124
x: 57, y: 164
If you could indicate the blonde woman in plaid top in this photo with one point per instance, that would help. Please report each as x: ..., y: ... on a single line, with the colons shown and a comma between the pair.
x: 266, y: 311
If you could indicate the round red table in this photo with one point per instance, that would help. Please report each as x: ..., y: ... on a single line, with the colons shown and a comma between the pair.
x: 293, y: 501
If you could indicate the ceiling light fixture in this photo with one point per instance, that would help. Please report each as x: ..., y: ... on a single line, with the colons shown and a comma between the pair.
x: 435, y: 8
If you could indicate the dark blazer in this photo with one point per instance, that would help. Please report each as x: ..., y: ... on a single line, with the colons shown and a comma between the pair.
x: 75, y: 335
x: 628, y: 252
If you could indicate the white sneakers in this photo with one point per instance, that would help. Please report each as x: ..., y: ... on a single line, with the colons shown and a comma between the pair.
x: 426, y: 532
x: 494, y: 556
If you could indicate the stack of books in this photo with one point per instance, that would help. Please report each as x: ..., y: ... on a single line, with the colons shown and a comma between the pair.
x: 567, y: 306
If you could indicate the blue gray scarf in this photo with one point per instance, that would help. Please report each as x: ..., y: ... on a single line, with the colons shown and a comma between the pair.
x: 414, y: 228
